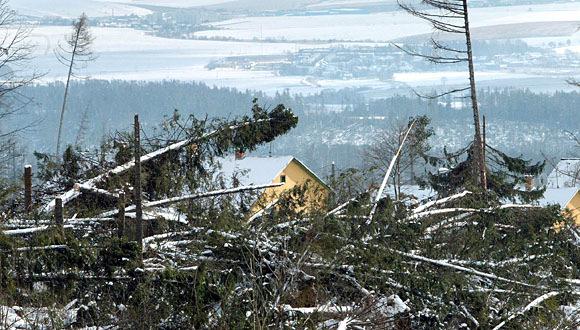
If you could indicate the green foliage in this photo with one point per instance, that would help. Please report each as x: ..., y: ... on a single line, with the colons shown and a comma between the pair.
x: 506, y: 175
x: 117, y: 253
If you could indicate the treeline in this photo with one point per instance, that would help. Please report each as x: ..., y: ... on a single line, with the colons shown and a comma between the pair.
x: 328, y: 120
x: 98, y: 107
x: 555, y: 109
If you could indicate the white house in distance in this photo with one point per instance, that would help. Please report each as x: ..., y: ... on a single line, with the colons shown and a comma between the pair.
x: 563, y: 186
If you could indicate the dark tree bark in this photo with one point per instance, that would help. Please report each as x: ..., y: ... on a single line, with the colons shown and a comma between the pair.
x: 452, y: 16
x: 137, y: 183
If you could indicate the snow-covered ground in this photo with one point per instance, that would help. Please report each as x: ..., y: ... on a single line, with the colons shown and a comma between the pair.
x: 172, y: 3
x: 376, y: 26
x: 129, y: 54
x: 68, y: 8
x: 383, y: 26
x: 135, y: 55
x: 451, y: 77
x: 349, y: 3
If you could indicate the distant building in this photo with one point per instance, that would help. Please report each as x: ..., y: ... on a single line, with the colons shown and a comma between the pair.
x: 567, y: 198
x: 566, y: 174
x: 563, y: 186
x: 244, y: 171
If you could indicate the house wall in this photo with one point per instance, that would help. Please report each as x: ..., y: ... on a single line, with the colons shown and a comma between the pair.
x: 296, y: 175
x: 573, y: 208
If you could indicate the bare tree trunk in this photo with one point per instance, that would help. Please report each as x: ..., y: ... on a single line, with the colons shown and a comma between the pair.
x: 77, y: 48
x: 59, y: 215
x: 484, y: 143
x: 474, y: 104
x: 398, y: 180
x: 121, y: 215
x: 137, y: 184
x: 28, y: 188
x: 61, y: 120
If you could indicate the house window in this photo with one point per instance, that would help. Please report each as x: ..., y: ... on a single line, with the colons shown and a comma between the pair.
x: 283, y: 178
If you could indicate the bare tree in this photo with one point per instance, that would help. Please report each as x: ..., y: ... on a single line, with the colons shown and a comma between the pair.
x: 15, y: 73
x: 452, y: 17
x: 386, y: 144
x: 74, y: 54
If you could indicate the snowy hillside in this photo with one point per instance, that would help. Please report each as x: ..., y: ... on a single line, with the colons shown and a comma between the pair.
x: 382, y: 26
x: 171, y: 3
x: 68, y: 8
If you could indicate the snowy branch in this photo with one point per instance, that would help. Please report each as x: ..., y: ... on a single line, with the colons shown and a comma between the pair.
x: 441, y: 201
x: 419, y: 215
x: 531, y: 305
x: 72, y: 193
x: 174, y: 200
x: 446, y: 264
x: 30, y: 230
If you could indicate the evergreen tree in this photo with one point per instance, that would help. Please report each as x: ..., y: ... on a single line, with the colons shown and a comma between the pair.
x: 507, y: 175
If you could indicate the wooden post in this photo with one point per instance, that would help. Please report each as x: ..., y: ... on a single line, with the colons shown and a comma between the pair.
x: 58, y: 213
x: 28, y: 188
x: 333, y: 171
x: 484, y: 138
x: 121, y: 215
x: 137, y: 184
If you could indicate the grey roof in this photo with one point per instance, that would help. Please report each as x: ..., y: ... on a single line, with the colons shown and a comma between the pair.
x: 566, y: 174
x: 253, y: 170
x: 558, y: 196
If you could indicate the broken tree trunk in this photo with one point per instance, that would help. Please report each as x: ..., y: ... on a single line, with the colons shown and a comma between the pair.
x: 137, y: 182
x: 388, y: 174
x: 58, y: 215
x: 28, y: 188
x: 479, y: 148
x: 72, y: 193
x: 178, y: 199
x: 121, y: 215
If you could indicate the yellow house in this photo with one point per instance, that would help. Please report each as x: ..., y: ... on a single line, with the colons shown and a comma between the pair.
x: 563, y: 184
x: 245, y: 171
x: 567, y: 198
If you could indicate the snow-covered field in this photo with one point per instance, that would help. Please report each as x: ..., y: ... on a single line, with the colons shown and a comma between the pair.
x: 376, y: 26
x: 129, y: 54
x: 349, y: 3
x: 172, y: 3
x: 451, y: 77
x: 68, y: 8
x: 384, y: 26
